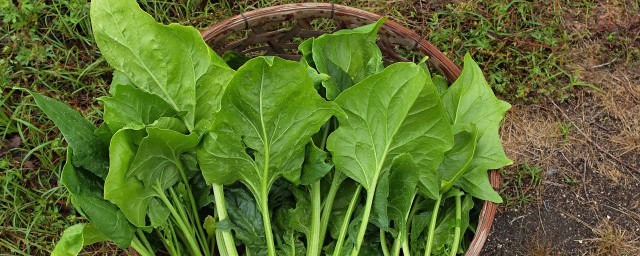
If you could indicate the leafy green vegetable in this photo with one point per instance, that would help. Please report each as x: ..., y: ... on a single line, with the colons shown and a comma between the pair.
x: 269, y: 112
x: 348, y: 56
x: 91, y: 153
x: 75, y: 237
x: 393, y: 112
x: 132, y: 107
x: 170, y: 61
x: 203, y: 155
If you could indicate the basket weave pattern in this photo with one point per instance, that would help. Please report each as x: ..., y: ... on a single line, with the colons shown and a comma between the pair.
x: 265, y: 31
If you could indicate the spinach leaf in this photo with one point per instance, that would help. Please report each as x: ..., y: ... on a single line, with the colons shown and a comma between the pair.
x: 171, y: 61
x: 89, y: 151
x: 393, y: 112
x: 86, y: 190
x: 470, y: 100
x: 246, y: 219
x: 347, y: 56
x: 120, y: 186
x: 75, y: 237
x: 133, y: 107
x: 316, y: 164
x: 456, y: 161
x: 270, y: 110
x: 158, y: 160
x: 390, y: 113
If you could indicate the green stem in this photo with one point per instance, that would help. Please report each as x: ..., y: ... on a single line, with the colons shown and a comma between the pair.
x: 432, y: 226
x: 183, y: 227
x: 328, y: 204
x: 346, y: 220
x: 266, y: 219
x: 456, y: 234
x: 314, y: 244
x: 196, y: 217
x: 221, y: 210
x: 405, y: 246
x: 395, y: 249
x: 365, y: 219
x: 383, y: 243
x: 222, y: 248
x: 145, y: 242
x: 136, y: 245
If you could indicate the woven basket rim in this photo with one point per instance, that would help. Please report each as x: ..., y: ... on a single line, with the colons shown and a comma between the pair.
x: 288, y: 12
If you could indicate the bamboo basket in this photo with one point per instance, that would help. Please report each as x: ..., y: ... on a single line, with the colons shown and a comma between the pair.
x: 278, y: 30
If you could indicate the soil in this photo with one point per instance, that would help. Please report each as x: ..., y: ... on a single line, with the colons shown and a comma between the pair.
x: 588, y: 200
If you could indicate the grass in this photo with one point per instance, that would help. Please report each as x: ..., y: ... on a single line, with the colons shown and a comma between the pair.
x: 520, y: 185
x: 47, y: 46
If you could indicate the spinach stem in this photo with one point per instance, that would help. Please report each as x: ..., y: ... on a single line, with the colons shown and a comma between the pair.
x: 432, y: 226
x: 365, y: 219
x: 194, y: 208
x: 328, y: 203
x: 395, y: 249
x: 405, y: 246
x: 333, y: 189
x: 136, y: 245
x: 346, y: 220
x: 179, y: 221
x: 145, y: 242
x: 222, y: 248
x: 266, y: 219
x: 383, y: 243
x: 315, y: 241
x: 456, y: 233
x: 221, y: 209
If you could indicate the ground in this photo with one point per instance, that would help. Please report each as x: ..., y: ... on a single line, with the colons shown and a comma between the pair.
x: 570, y: 69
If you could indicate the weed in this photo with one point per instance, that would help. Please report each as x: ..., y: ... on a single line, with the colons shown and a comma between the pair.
x: 565, y: 128
x: 520, y: 185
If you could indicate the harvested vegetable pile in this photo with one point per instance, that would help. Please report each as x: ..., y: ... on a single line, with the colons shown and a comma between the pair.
x: 335, y: 154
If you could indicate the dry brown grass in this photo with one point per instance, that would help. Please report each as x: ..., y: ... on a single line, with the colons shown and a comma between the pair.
x: 530, y: 136
x: 613, y: 240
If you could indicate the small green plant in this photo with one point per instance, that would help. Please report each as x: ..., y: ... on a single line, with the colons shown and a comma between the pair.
x: 520, y: 185
x: 565, y: 129
x: 334, y: 154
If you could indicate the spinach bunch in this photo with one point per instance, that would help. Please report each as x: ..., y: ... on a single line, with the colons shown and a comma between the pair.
x: 334, y: 154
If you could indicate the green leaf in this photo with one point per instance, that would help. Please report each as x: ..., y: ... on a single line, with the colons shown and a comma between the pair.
x: 390, y: 113
x: 403, y: 182
x: 139, y: 160
x: 316, y: 164
x: 441, y: 83
x: 71, y: 241
x: 347, y: 56
x: 210, y: 89
x: 75, y: 237
x: 210, y: 225
x: 86, y: 191
x: 419, y: 225
x: 104, y: 133
x: 120, y: 186
x: 340, y: 206
x: 158, y: 159
x: 456, y: 161
x: 470, y: 100
x: 299, y: 217
x: 171, y: 61
x: 89, y: 151
x: 269, y: 112
x: 444, y: 234
x: 476, y: 183
x: 379, y: 215
x: 132, y: 107
x: 246, y: 219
